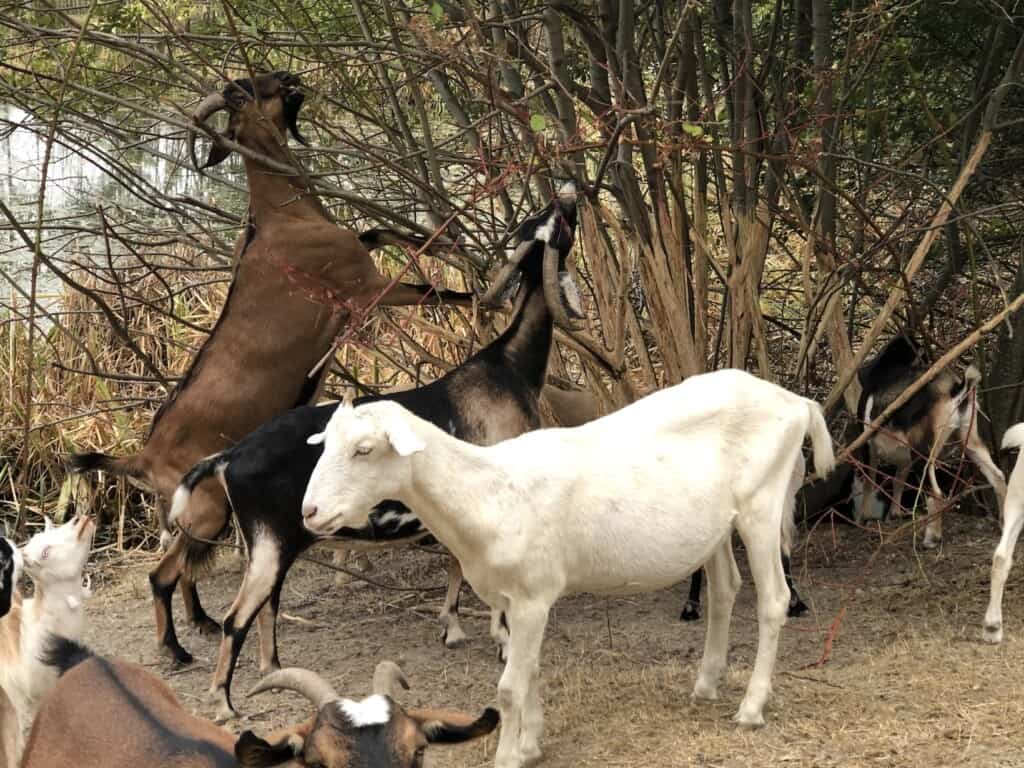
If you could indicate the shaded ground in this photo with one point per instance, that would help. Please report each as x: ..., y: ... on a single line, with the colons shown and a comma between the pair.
x: 908, y: 683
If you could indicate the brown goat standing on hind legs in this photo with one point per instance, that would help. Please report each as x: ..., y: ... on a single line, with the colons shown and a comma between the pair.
x: 269, y: 337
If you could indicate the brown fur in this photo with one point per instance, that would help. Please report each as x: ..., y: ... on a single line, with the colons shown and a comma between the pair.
x: 298, y: 277
x: 107, y: 713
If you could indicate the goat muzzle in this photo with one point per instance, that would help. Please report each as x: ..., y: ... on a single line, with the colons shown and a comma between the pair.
x: 302, y: 681
x: 215, y: 102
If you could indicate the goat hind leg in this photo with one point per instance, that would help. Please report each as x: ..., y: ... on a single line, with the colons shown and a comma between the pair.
x: 162, y: 581
x: 772, y: 604
x: 691, y: 608
x: 977, y: 452
x: 263, y: 575
x: 723, y: 584
x: 1002, y: 561
x: 195, y: 614
x: 452, y: 635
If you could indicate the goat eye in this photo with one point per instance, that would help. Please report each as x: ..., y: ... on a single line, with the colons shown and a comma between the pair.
x: 45, y: 553
x: 364, y: 450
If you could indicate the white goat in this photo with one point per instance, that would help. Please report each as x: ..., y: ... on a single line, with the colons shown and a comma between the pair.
x: 54, y: 559
x: 632, y: 502
x: 1013, y: 521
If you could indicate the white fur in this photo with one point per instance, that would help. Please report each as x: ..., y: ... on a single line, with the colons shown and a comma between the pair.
x: 54, y: 560
x: 631, y: 502
x: 1013, y: 521
x: 373, y: 710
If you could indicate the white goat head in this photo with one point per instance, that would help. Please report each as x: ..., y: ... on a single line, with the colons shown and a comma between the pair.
x: 365, y: 461
x: 59, y: 553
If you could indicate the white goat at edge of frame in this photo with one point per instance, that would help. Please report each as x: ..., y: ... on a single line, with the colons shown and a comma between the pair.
x: 632, y: 502
x: 1013, y: 521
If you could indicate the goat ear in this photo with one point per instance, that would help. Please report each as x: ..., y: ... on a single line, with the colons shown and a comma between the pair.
x: 218, y: 154
x: 443, y: 726
x: 47, y: 523
x: 317, y: 439
x: 403, y: 439
x: 253, y: 752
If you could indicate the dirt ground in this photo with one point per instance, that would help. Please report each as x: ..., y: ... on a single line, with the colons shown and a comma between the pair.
x: 908, y: 681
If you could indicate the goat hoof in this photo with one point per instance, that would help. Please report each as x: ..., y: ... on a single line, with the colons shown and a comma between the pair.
x: 177, y: 654
x: 799, y: 608
x: 691, y: 612
x: 704, y: 692
x: 993, y: 633
x: 207, y: 626
x: 453, y: 638
x: 224, y: 714
x: 749, y: 720
x: 931, y: 542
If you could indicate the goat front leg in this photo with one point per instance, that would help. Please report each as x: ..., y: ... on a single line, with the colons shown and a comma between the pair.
x: 452, y: 635
x: 936, y: 508
x: 522, y: 716
x: 1002, y: 561
x: 723, y: 584
x: 762, y: 542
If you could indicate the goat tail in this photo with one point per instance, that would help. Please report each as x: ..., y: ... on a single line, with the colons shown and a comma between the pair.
x: 211, y: 465
x: 92, y: 461
x: 821, y: 441
x: 1014, y: 437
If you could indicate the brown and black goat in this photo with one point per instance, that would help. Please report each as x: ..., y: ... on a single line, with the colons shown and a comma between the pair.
x: 919, y: 430
x: 298, y: 278
x: 491, y: 397
x: 109, y: 713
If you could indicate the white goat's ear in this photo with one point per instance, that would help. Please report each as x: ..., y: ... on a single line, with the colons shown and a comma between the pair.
x: 348, y: 399
x: 316, y: 439
x: 403, y: 439
x: 47, y: 523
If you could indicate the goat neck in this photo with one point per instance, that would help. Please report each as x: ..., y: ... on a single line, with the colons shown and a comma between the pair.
x: 526, y: 343
x: 462, y: 522
x: 271, y: 192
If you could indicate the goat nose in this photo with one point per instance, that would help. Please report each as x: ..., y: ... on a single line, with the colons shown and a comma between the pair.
x: 308, y: 511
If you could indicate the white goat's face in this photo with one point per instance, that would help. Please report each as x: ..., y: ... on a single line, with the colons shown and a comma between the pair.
x: 365, y: 461
x: 59, y: 553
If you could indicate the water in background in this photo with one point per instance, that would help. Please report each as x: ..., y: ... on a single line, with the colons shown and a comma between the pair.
x: 76, y: 184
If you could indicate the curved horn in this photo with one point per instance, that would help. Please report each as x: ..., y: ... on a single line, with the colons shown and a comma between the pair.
x: 212, y: 103
x: 309, y: 684
x: 387, y: 678
x: 552, y: 293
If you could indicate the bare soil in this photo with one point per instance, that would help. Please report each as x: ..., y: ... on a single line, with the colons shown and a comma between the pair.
x: 907, y: 681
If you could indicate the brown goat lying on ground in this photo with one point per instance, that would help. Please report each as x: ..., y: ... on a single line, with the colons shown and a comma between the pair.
x: 108, y: 713
x: 298, y: 279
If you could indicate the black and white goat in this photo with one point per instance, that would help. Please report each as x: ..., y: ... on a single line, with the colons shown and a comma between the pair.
x: 632, y: 502
x: 918, y: 431
x: 490, y: 397
x: 109, y: 713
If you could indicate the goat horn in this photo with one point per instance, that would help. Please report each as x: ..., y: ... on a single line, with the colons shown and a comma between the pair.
x: 212, y: 103
x: 493, y: 295
x: 302, y: 681
x: 387, y: 678
x: 552, y: 293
